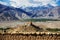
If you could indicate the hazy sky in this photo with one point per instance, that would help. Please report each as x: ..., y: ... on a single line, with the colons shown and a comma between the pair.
x: 26, y: 3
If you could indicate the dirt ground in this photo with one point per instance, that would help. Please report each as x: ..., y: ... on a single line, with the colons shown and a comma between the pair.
x: 47, y: 24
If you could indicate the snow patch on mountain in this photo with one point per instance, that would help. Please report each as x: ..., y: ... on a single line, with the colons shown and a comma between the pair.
x: 33, y: 3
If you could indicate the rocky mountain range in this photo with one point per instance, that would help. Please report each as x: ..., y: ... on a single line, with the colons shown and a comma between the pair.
x: 8, y: 13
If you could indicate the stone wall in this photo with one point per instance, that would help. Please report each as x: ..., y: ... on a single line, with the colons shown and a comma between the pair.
x: 29, y: 37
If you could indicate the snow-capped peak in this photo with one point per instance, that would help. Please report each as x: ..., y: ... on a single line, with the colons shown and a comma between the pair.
x: 28, y: 3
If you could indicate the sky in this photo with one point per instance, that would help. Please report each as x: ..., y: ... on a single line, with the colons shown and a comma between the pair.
x: 27, y: 3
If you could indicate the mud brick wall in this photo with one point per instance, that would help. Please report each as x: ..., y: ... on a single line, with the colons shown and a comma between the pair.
x: 29, y: 37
